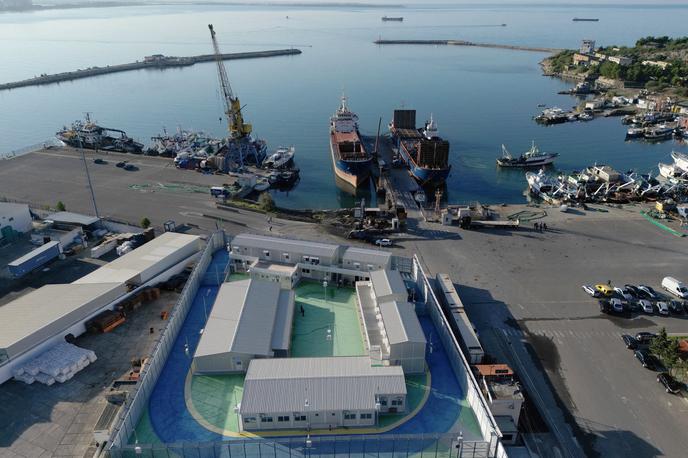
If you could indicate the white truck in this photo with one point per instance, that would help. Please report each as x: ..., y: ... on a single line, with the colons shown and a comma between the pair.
x: 675, y: 287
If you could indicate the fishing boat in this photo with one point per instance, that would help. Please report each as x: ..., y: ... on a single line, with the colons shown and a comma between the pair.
x: 658, y: 133
x: 635, y: 132
x: 281, y: 158
x: 396, y: 19
x: 87, y: 134
x: 262, y: 184
x: 541, y: 184
x: 531, y: 158
x: 350, y: 159
x: 680, y: 160
x: 552, y: 115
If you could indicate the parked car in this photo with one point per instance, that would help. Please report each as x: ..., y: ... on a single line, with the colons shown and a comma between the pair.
x: 676, y: 307
x: 663, y: 308
x: 645, y: 337
x: 383, y: 242
x: 130, y: 167
x: 617, y: 304
x: 605, y: 306
x: 675, y: 287
x: 99, y: 161
x: 623, y: 294
x: 632, y: 289
x: 630, y: 341
x: 121, y: 164
x: 605, y: 290
x: 649, y: 292
x: 646, y: 306
x: 633, y: 306
x: 671, y: 385
x: 646, y: 359
x: 590, y: 290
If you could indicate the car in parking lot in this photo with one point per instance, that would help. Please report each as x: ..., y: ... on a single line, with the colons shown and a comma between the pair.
x: 645, y: 337
x: 663, y: 308
x: 99, y: 161
x: 648, y: 292
x: 130, y: 167
x: 617, y: 304
x: 623, y: 294
x: 630, y: 341
x: 676, y: 307
x: 605, y: 290
x: 646, y: 359
x: 646, y: 306
x: 121, y: 164
x: 671, y: 385
x: 591, y: 291
x: 632, y: 289
x: 383, y: 242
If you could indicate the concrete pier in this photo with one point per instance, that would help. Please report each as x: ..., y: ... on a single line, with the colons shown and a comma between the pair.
x: 157, y: 62
x: 466, y: 43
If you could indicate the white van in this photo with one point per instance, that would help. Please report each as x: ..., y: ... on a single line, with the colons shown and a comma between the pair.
x: 675, y: 287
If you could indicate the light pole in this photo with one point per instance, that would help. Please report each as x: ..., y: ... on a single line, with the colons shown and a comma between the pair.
x: 88, y: 176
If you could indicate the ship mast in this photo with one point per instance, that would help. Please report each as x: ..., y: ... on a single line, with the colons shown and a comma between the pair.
x: 235, y: 121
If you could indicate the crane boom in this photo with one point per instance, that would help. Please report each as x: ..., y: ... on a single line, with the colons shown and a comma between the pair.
x: 235, y: 121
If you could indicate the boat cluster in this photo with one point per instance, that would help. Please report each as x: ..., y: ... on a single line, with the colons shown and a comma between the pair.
x: 556, y: 115
x: 654, y: 126
x: 602, y: 183
x: 184, y: 142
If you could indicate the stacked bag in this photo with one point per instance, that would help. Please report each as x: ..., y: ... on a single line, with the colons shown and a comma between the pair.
x: 57, y: 364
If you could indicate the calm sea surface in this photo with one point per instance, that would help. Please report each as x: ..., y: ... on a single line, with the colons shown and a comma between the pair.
x: 481, y: 98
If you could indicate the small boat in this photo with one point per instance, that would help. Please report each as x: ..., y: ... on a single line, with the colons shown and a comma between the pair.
x: 586, y: 116
x: 658, y: 133
x: 388, y: 18
x: 262, y: 184
x: 680, y: 160
x: 541, y: 183
x: 531, y: 158
x: 281, y: 158
x: 552, y: 115
x: 635, y: 132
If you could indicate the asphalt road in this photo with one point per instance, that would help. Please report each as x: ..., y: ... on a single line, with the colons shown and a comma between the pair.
x: 522, y: 290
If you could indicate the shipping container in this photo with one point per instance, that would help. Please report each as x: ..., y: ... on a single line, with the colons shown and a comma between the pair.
x: 35, y: 259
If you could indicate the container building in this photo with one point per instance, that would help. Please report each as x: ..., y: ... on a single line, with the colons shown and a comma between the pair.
x: 34, y: 259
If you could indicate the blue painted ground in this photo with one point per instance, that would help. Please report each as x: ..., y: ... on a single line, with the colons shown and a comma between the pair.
x: 172, y: 422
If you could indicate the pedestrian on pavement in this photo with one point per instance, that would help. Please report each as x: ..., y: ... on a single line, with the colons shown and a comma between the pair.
x: 303, y: 312
x: 544, y: 226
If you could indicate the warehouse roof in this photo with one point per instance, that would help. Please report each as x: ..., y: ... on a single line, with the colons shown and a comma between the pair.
x: 364, y: 255
x: 72, y: 218
x: 401, y: 322
x: 281, y: 334
x: 242, y: 319
x: 170, y: 246
x: 275, y: 243
x: 333, y: 383
x: 386, y: 282
x: 7, y: 206
x: 30, y: 319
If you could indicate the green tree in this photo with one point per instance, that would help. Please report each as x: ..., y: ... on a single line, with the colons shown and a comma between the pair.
x: 145, y: 223
x: 265, y: 202
x: 60, y: 206
x: 666, y: 349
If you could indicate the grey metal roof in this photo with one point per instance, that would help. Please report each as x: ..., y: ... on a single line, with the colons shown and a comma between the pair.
x: 72, y: 218
x: 401, y: 322
x: 42, y: 313
x: 334, y: 383
x: 281, y: 333
x: 33, y: 253
x: 386, y: 282
x: 242, y: 319
x: 446, y: 286
x: 279, y: 244
x: 151, y: 258
x: 367, y: 256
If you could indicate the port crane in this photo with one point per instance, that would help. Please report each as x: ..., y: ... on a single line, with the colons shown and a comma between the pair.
x: 235, y: 121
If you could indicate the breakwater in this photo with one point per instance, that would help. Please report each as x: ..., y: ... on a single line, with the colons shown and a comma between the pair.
x: 466, y: 43
x: 150, y: 62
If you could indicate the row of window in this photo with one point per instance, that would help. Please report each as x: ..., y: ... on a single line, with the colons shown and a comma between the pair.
x: 302, y: 418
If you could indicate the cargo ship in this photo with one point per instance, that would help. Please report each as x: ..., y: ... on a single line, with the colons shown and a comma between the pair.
x: 87, y: 134
x: 423, y: 151
x: 350, y: 160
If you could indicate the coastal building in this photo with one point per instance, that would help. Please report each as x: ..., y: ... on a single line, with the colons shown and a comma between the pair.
x: 250, y: 319
x: 583, y: 59
x: 587, y: 47
x: 657, y: 63
x: 14, y: 219
x: 504, y: 395
x: 318, y: 393
x: 620, y: 60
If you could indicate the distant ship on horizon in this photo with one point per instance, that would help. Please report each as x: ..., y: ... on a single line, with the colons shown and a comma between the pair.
x: 583, y: 19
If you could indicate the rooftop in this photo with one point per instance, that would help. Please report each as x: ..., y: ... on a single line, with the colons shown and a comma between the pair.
x: 401, y: 322
x: 275, y: 267
x: 275, y: 243
x: 72, y: 218
x: 368, y: 256
x: 332, y: 383
x: 387, y: 282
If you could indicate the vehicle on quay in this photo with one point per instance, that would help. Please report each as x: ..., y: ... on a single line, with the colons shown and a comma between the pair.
x: 591, y: 291
x: 647, y: 360
x: 423, y: 151
x: 647, y: 292
x: 350, y: 159
x: 383, y: 242
x: 605, y: 290
x: 675, y: 287
x: 121, y: 164
x: 99, y: 161
x: 663, y: 308
x: 617, y: 305
x: 676, y: 307
x: 645, y: 337
x: 623, y: 294
x: 531, y: 158
x: 89, y: 135
x: 630, y: 342
x: 671, y: 385
x: 632, y: 289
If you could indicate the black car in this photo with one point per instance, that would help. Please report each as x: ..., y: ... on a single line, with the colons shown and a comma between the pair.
x: 630, y: 342
x: 99, y: 161
x: 646, y: 359
x: 605, y: 306
x: 645, y: 337
x: 632, y: 289
x: 632, y: 306
x: 121, y: 164
x: 648, y: 292
x: 676, y: 307
x: 670, y: 384
x: 130, y: 167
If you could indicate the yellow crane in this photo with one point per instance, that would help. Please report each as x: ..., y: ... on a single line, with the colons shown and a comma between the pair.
x: 235, y: 121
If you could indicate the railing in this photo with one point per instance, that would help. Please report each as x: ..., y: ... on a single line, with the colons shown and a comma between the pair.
x: 136, y: 402
x: 459, y: 364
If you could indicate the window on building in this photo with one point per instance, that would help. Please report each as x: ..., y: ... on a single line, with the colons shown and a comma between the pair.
x: 306, y: 258
x: 266, y: 253
x: 383, y: 402
x: 249, y: 419
x: 299, y: 417
x: 349, y: 416
x: 370, y: 267
x: 286, y: 256
x: 357, y: 266
x: 266, y: 419
x: 283, y: 418
x: 315, y: 261
x: 305, y: 271
x: 366, y: 416
x: 397, y: 402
